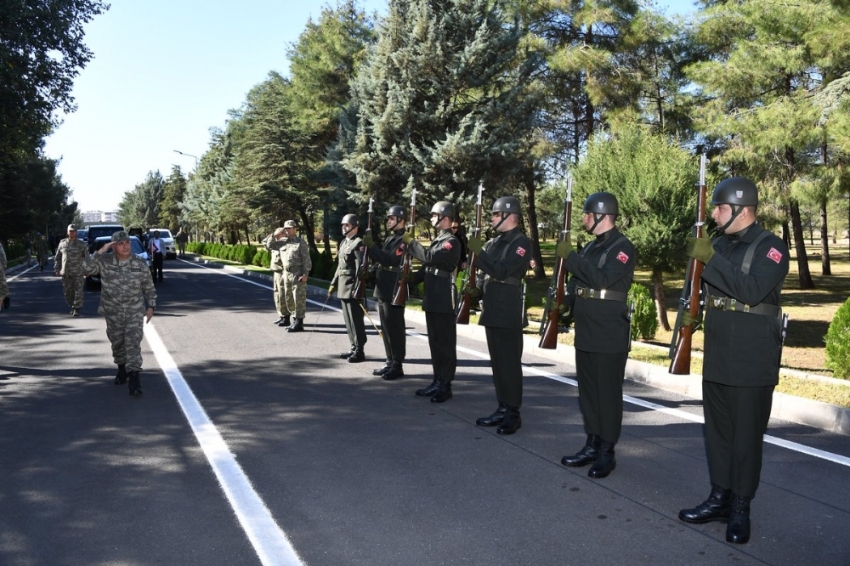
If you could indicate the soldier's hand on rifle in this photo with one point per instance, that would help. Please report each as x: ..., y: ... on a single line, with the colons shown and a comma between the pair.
x: 474, y: 293
x: 688, y: 320
x: 407, y: 237
x: 331, y: 290
x: 475, y: 244
x: 700, y: 248
x: 564, y: 247
x: 564, y: 309
x: 367, y: 239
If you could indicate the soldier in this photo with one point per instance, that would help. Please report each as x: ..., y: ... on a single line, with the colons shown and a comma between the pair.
x: 295, y: 257
x: 273, y: 243
x: 597, y: 297
x: 744, y: 271
x: 181, y: 238
x: 126, y: 285
x: 389, y: 257
x: 439, y: 262
x: 504, y: 261
x: 70, y: 255
x: 40, y: 247
x: 4, y: 288
x: 350, y: 258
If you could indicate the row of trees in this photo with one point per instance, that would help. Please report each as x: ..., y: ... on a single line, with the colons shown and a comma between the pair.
x: 440, y: 95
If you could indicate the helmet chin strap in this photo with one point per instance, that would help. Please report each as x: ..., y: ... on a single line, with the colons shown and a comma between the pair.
x: 347, y: 232
x: 597, y: 218
x: 502, y: 221
x: 392, y: 228
x: 736, y: 210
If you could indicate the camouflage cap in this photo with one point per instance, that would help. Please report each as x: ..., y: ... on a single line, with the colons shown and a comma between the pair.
x: 72, y: 227
x: 120, y: 236
x: 289, y: 224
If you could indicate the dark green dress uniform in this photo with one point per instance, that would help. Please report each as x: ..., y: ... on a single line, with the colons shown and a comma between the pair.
x: 504, y: 261
x: 742, y: 353
x: 350, y: 258
x: 389, y: 257
x: 439, y: 263
x: 597, y: 297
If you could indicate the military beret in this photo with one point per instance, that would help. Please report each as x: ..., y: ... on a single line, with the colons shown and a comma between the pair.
x: 120, y: 236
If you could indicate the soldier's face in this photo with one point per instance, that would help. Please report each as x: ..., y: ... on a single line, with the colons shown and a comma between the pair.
x: 721, y: 214
x: 289, y: 232
x: 122, y: 249
x: 349, y: 229
x: 72, y: 235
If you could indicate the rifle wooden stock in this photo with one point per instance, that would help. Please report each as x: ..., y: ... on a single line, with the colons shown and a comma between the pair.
x: 400, y: 293
x: 680, y: 363
x: 552, y: 318
x: 471, y: 283
x: 359, y: 290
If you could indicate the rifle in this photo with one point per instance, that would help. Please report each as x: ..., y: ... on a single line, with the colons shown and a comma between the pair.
x: 552, y: 313
x: 400, y: 293
x: 469, y: 282
x: 359, y: 290
x: 680, y: 345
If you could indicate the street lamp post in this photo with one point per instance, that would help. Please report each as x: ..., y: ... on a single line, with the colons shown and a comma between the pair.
x: 188, y: 155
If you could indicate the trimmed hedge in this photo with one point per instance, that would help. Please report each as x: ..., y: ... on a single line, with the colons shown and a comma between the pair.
x: 240, y: 253
x: 838, y: 342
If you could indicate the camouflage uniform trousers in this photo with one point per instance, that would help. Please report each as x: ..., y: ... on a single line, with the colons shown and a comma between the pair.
x: 72, y: 284
x: 125, y: 331
x: 279, y: 298
x: 296, y: 295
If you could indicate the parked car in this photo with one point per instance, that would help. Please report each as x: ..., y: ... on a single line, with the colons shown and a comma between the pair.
x: 170, y: 251
x: 83, y: 235
x: 96, y: 231
x: 135, y: 246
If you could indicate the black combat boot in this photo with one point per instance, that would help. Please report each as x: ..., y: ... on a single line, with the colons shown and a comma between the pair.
x: 383, y: 369
x: 348, y: 354
x: 738, y: 529
x: 356, y: 357
x: 394, y: 372
x: 715, y: 508
x: 606, y: 462
x: 588, y: 454
x: 443, y: 393
x: 512, y: 422
x: 135, y: 384
x: 6, y: 303
x: 494, y: 419
x: 285, y: 322
x: 428, y: 391
x: 121, y: 376
x: 278, y: 321
x: 297, y: 326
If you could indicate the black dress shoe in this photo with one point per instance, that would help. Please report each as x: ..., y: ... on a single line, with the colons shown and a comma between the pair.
x: 442, y: 394
x: 393, y: 373
x: 346, y: 355
x: 587, y: 455
x: 428, y: 391
x: 494, y: 419
x: 511, y: 424
x: 605, y: 464
x: 381, y: 370
x: 738, y: 529
x: 356, y: 357
x: 716, y: 508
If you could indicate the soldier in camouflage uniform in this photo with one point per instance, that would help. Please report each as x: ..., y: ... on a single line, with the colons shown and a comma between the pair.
x: 126, y: 285
x: 70, y: 257
x: 295, y: 257
x: 4, y: 289
x: 273, y: 243
x: 40, y: 248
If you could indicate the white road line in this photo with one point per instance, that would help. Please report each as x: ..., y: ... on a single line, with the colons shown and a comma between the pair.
x: 269, y: 541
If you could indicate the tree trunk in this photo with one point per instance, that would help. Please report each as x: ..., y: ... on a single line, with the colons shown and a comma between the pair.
x: 786, y: 234
x: 806, y: 281
x: 824, y: 241
x: 533, y: 233
x: 658, y: 291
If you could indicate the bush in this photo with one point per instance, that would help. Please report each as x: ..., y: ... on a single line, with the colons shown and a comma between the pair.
x: 645, y: 317
x: 324, y: 265
x: 262, y: 258
x: 838, y: 342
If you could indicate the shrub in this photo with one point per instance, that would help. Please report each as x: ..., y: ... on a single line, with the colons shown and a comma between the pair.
x: 262, y: 258
x: 645, y: 317
x: 838, y: 342
x: 324, y: 266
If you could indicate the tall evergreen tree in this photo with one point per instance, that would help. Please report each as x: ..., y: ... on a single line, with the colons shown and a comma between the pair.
x: 173, y: 190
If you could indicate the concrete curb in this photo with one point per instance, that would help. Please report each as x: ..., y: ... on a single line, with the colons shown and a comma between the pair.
x: 785, y: 407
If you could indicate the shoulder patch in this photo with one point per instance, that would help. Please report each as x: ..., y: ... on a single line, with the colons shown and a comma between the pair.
x: 447, y: 245
x: 775, y: 255
x: 520, y: 252
x: 622, y: 257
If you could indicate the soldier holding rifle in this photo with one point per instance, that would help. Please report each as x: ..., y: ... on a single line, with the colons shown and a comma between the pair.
x: 504, y: 261
x: 601, y: 277
x: 350, y: 258
x: 742, y: 278
x: 389, y: 257
x: 439, y: 263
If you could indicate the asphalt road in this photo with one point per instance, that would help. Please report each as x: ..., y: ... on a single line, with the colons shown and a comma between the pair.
x: 255, y: 446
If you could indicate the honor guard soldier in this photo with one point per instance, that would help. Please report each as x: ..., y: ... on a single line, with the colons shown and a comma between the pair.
x: 295, y: 257
x: 597, y: 298
x: 439, y: 262
x: 273, y: 243
x: 504, y: 261
x: 744, y: 271
x: 350, y: 258
x: 71, y: 253
x: 389, y: 257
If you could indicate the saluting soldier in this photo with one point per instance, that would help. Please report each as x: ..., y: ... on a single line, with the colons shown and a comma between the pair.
x: 295, y: 257
x: 597, y: 296
x: 70, y: 256
x: 350, y: 260
x: 389, y: 257
x: 504, y: 261
x: 744, y: 271
x: 439, y: 262
x: 126, y: 286
x: 273, y: 243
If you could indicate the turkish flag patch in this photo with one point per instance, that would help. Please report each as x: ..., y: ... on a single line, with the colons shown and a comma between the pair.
x: 622, y: 257
x: 447, y: 246
x: 775, y: 255
x: 399, y: 250
x: 520, y: 252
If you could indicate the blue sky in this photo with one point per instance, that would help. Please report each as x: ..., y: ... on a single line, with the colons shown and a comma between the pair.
x: 163, y: 74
